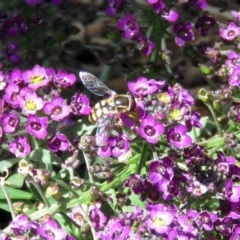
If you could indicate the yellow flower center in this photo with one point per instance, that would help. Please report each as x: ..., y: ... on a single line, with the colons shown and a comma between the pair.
x: 158, y: 222
x: 176, y: 114
x: 36, y: 79
x: 30, y: 105
x: 163, y: 97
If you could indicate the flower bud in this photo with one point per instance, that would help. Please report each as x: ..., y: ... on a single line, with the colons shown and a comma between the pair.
x: 77, y: 182
x: 18, y: 207
x: 23, y: 167
x: 203, y: 95
x: 53, y: 190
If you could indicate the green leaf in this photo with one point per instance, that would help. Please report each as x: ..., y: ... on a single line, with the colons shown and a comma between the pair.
x: 16, y: 180
x: 213, y: 142
x: 135, y: 200
x: 79, y: 128
x: 8, y: 163
x: 15, y: 194
x: 4, y: 205
x: 34, y: 191
x: 46, y: 157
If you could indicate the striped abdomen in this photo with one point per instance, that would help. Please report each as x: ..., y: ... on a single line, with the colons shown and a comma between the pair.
x: 113, y: 105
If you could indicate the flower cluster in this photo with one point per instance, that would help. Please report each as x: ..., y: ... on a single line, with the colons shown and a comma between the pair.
x: 31, y: 100
x: 166, y: 180
x: 131, y: 30
x: 160, y: 110
x: 46, y: 228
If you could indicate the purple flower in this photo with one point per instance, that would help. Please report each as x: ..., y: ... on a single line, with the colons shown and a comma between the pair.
x: 160, y: 217
x: 145, y: 45
x: 192, y: 119
x: 223, y: 225
x: 170, y: 15
x: 57, y: 109
x: 20, y: 147
x: 50, y: 231
x: 158, y: 6
x: 58, y: 142
x: 11, y: 95
x: 119, y: 144
x: 232, y: 191
x: 115, y: 227
x: 10, y: 122
x: 61, y: 79
x: 37, y: 126
x: 70, y: 238
x: 177, y: 137
x: 186, y: 226
x: 113, y: 7
x: 204, y: 23
x: 10, y: 53
x: 13, y: 26
x: 236, y: 16
x: 142, y: 87
x: 235, y: 232
x: 36, y: 78
x: 20, y: 225
x: 129, y: 26
x: 150, y: 130
x: 206, y: 219
x: 4, y: 236
x: 16, y: 76
x: 230, y: 32
x: 135, y: 182
x: 201, y: 4
x: 161, y: 171
x: 197, y: 189
x: 152, y: 1
x: 80, y: 104
x: 234, y: 79
x: 98, y: 219
x: 31, y: 103
x: 104, y: 151
x: 183, y: 33
x: 77, y: 215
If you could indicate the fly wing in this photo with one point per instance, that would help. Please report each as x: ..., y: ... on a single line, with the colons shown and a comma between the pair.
x: 105, y: 125
x: 94, y: 84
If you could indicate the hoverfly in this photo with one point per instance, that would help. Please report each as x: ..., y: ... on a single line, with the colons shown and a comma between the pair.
x: 105, y: 113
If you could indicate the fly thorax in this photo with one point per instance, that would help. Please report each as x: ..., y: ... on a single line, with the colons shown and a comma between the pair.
x: 122, y: 103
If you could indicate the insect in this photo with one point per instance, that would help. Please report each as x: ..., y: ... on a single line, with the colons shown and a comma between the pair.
x: 105, y: 112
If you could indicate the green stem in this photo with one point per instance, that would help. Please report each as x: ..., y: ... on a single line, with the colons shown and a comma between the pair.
x: 87, y: 161
x: 64, y: 185
x: 86, y: 217
x: 92, y: 184
x: 41, y: 194
x: 8, y: 197
x: 215, y: 118
x: 105, y: 73
x: 143, y: 157
x: 155, y: 155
